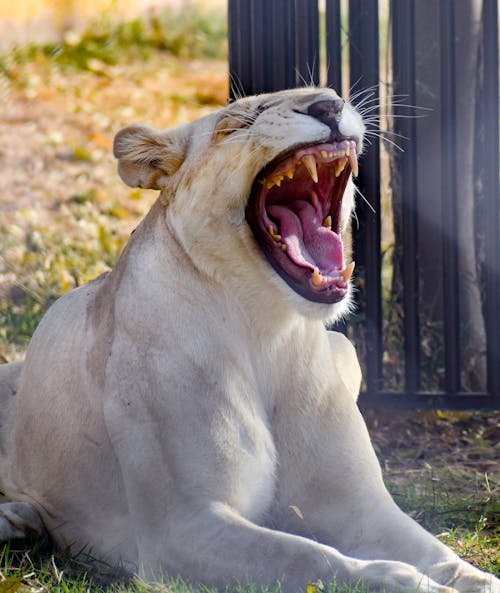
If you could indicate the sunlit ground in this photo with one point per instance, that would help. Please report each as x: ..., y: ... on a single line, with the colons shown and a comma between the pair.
x: 64, y: 212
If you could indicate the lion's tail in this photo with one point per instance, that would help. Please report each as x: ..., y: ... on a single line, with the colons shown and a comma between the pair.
x: 9, y: 381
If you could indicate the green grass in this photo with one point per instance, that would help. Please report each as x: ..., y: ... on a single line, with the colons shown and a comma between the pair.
x: 46, y: 263
x: 456, y: 507
x: 436, y: 506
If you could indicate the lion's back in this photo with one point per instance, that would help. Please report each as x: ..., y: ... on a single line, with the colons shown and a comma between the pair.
x: 65, y: 466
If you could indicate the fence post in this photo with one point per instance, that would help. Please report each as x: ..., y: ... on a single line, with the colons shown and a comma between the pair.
x: 273, y: 45
x: 405, y: 189
x: 364, y: 73
x: 488, y: 132
x: 333, y: 45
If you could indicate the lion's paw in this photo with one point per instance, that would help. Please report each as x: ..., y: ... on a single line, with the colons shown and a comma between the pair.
x: 399, y: 576
x: 18, y: 520
x: 477, y: 582
x: 465, y: 578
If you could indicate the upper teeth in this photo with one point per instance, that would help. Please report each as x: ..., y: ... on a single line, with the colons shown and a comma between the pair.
x: 309, y: 163
x: 339, y: 165
x: 338, y: 155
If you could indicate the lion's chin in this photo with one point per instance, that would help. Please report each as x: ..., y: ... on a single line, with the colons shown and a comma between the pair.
x: 294, y: 213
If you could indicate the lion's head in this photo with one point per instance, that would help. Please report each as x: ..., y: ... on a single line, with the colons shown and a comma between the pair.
x: 266, y: 178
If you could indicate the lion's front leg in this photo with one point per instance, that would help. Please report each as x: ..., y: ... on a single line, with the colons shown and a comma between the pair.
x: 197, y: 493
x: 392, y: 534
x: 219, y: 547
x: 331, y: 490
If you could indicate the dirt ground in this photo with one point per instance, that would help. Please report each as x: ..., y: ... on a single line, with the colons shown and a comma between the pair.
x: 443, y: 468
x: 407, y: 441
x: 57, y: 125
x: 64, y: 212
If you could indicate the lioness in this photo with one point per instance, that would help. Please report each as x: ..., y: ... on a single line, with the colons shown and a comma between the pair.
x: 188, y: 413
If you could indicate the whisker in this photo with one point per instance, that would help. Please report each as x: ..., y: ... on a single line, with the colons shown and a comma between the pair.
x: 358, y: 191
x: 236, y: 87
x: 359, y: 93
x: 371, y: 98
x: 388, y: 140
x: 401, y: 116
x: 370, y: 109
x: 367, y: 94
x: 385, y: 133
x: 355, y: 216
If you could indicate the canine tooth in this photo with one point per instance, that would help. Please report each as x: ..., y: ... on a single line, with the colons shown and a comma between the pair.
x: 346, y: 273
x: 271, y: 231
x: 328, y: 222
x: 310, y: 164
x: 353, y: 161
x: 317, y: 278
x: 339, y: 166
x: 347, y: 150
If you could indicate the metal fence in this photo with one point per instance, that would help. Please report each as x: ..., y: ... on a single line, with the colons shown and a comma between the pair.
x: 427, y: 251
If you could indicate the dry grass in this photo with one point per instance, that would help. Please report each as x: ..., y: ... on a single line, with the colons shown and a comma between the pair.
x: 64, y: 212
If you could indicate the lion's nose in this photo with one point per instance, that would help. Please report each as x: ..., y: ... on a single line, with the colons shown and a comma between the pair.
x: 327, y: 112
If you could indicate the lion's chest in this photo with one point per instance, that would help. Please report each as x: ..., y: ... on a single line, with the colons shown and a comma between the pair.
x: 247, y: 463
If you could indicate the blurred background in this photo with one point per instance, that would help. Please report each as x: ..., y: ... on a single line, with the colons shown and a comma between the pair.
x: 41, y: 21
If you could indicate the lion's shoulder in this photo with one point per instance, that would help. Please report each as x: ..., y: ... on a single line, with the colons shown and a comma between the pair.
x: 346, y: 361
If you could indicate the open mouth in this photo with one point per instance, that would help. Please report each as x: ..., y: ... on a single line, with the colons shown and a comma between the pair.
x: 294, y: 213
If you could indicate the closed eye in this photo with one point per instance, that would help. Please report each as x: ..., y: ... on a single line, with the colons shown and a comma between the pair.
x: 233, y: 120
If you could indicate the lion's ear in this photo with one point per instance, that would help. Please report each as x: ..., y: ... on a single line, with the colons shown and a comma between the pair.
x: 147, y: 157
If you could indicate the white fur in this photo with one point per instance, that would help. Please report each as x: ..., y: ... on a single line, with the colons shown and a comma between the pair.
x: 188, y: 413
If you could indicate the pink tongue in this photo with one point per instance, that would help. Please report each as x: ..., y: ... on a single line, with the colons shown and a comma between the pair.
x: 309, y: 244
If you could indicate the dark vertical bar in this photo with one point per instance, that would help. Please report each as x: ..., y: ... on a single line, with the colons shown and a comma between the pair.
x: 273, y: 32
x: 239, y: 40
x: 266, y: 37
x: 426, y: 144
x: 307, y: 42
x: 262, y: 45
x: 403, y: 35
x: 364, y: 67
x: 448, y: 192
x: 282, y: 59
x: 490, y: 157
x: 333, y: 45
